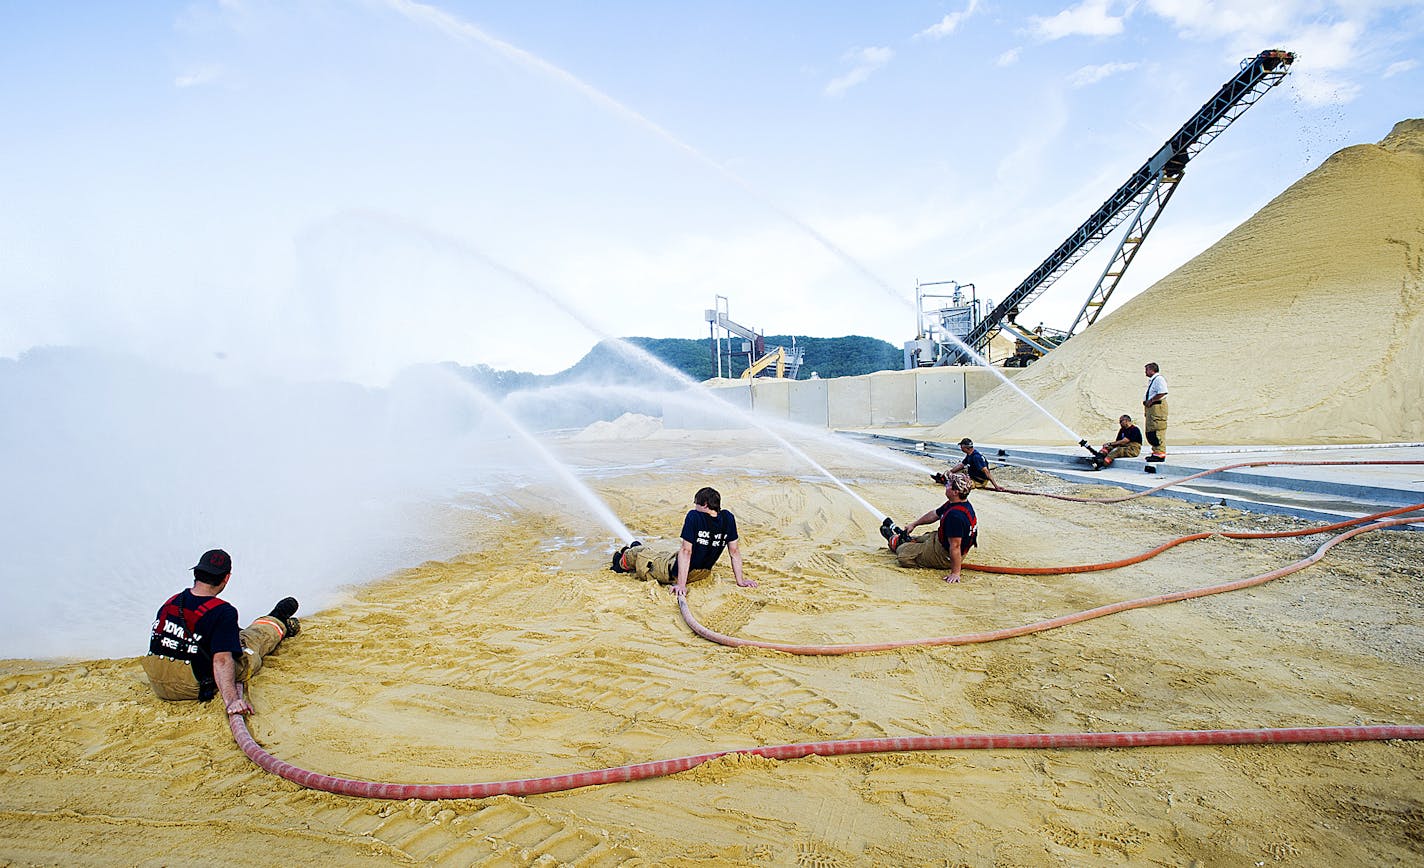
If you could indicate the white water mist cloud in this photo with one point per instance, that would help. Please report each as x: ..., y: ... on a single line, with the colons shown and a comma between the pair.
x: 119, y: 473
x: 578, y: 405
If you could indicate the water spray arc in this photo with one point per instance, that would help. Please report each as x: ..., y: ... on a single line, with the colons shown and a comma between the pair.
x: 572, y: 483
x: 684, y: 400
x: 463, y: 30
x: 744, y: 415
x: 625, y: 348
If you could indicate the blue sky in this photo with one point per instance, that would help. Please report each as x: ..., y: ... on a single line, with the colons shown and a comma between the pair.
x: 337, y: 189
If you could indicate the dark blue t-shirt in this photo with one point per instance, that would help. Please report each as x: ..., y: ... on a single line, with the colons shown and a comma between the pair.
x: 975, y: 464
x: 1131, y: 434
x: 958, y: 520
x: 708, y: 536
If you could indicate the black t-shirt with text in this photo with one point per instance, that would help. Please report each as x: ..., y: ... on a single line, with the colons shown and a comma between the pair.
x: 708, y: 535
x: 192, y: 629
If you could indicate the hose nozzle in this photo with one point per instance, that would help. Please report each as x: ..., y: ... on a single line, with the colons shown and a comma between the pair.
x: 1084, y: 443
x: 888, y: 528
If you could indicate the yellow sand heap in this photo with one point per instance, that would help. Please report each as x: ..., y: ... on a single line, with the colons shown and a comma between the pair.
x: 1301, y: 326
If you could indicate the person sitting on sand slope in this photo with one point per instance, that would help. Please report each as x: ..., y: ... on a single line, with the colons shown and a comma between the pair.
x: 958, y: 532
x: 707, y: 529
x: 195, y: 649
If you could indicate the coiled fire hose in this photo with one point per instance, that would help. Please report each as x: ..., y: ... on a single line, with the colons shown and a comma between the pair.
x: 659, y: 768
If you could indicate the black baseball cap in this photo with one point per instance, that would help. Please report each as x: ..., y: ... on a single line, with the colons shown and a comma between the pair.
x: 966, y: 442
x: 215, y: 562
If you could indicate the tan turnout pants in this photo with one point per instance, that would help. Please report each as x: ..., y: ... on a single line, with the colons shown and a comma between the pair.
x: 924, y: 550
x: 1156, y: 424
x: 658, y: 563
x: 1131, y: 450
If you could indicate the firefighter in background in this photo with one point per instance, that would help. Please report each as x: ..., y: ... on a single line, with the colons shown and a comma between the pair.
x: 1154, y: 407
x: 1127, y: 444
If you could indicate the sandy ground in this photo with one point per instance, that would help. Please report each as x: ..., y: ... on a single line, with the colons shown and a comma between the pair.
x: 528, y: 657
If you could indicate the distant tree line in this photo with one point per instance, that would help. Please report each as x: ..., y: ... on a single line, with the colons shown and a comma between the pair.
x: 608, y: 362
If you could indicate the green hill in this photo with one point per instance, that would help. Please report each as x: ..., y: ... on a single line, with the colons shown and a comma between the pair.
x: 608, y: 362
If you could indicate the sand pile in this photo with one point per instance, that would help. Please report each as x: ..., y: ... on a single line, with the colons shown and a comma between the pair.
x: 1304, y: 325
x: 629, y: 426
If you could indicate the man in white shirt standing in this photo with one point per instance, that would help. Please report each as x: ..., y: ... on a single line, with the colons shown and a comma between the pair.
x: 1154, y: 407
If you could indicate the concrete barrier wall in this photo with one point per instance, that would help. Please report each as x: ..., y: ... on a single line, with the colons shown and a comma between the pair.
x: 808, y: 402
x: 709, y: 414
x: 892, y: 398
x: 926, y: 396
x: 848, y: 402
x: 772, y: 398
x: 939, y: 394
x: 979, y: 382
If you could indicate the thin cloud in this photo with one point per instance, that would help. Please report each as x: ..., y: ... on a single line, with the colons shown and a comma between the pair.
x: 1087, y: 75
x: 1401, y: 67
x: 948, y: 24
x: 1089, y: 18
x: 1332, y: 51
x: 1338, y: 37
x: 1008, y: 58
x: 199, y: 77
x: 1248, y: 21
x: 867, y: 61
x: 1329, y: 46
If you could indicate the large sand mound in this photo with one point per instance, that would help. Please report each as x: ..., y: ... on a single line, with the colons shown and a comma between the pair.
x: 1301, y: 326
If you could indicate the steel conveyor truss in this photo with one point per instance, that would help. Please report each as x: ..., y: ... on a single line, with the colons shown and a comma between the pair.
x: 1142, y: 197
x: 1143, y: 219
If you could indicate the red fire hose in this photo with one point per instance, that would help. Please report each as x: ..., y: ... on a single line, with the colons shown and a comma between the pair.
x: 1038, y: 626
x: 1151, y: 553
x: 660, y: 768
